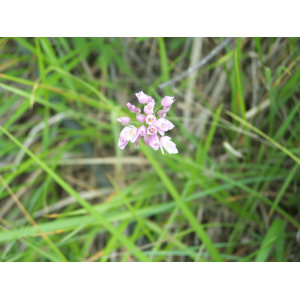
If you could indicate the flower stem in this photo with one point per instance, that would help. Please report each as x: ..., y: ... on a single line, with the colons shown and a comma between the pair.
x: 156, y: 110
x: 134, y: 123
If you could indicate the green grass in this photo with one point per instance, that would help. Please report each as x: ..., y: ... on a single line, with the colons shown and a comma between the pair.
x: 203, y: 204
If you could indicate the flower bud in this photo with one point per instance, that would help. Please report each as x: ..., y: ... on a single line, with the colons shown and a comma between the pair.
x: 141, y: 118
x: 137, y: 110
x: 150, y: 100
x: 130, y: 107
x: 124, y: 120
x: 167, y: 101
x: 142, y: 130
x: 161, y: 113
x: 154, y: 141
x: 133, y: 109
x: 143, y: 98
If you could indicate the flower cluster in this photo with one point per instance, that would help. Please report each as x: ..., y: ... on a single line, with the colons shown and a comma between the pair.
x: 156, y: 124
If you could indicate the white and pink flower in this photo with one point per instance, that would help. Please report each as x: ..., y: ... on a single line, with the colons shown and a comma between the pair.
x: 154, y: 124
x: 163, y: 125
x: 167, y: 101
x: 142, y: 130
x: 143, y: 98
x: 161, y: 113
x: 141, y: 118
x: 148, y: 109
x: 165, y: 142
x: 150, y: 119
x: 151, y: 130
x: 129, y: 133
x: 124, y: 120
x: 133, y: 109
x: 154, y: 141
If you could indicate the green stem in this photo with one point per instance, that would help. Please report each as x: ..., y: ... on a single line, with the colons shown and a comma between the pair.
x: 134, y: 123
x: 157, y: 109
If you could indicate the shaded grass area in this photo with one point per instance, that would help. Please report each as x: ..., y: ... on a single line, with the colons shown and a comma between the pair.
x: 68, y: 193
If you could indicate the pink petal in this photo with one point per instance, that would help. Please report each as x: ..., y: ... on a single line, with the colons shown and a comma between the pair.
x: 161, y: 113
x: 130, y: 107
x: 136, y: 143
x: 136, y: 110
x: 150, y: 119
x: 148, y: 109
x: 154, y: 142
x: 152, y: 130
x: 146, y: 139
x: 161, y: 147
x: 142, y: 97
x: 151, y: 100
x: 142, y: 130
x: 141, y: 118
x: 170, y: 125
x: 122, y: 142
x: 124, y: 120
x: 159, y: 130
x: 167, y: 101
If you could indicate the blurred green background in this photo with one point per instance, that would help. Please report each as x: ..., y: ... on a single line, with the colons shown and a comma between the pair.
x: 68, y: 193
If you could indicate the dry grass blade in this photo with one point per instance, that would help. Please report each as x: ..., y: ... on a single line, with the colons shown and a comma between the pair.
x: 103, y: 161
x: 206, y: 59
x: 32, y: 222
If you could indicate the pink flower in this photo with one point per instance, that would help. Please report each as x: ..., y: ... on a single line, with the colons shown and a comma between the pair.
x: 124, y: 120
x: 146, y: 139
x: 154, y: 141
x: 130, y: 107
x: 161, y: 113
x: 167, y: 101
x: 133, y: 109
x: 151, y: 130
x: 150, y: 100
x: 142, y: 130
x: 143, y: 98
x: 165, y: 142
x: 137, y: 110
x: 150, y: 119
x: 163, y: 125
x: 122, y: 142
x: 153, y: 126
x: 136, y: 143
x: 141, y: 118
x: 148, y: 109
x: 129, y: 133
x: 167, y: 108
x: 159, y: 130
